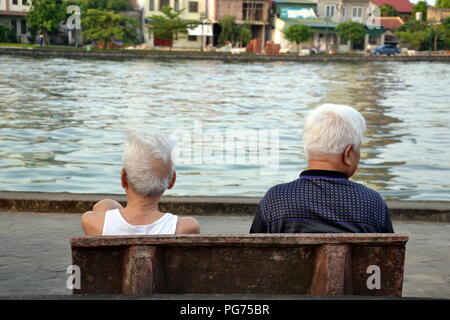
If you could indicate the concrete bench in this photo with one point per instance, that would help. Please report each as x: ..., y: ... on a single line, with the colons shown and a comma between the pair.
x: 317, y: 264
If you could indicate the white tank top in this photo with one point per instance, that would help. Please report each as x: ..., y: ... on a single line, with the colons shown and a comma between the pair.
x: 115, y: 225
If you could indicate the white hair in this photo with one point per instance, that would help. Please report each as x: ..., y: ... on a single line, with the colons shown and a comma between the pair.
x: 330, y: 128
x: 147, y: 160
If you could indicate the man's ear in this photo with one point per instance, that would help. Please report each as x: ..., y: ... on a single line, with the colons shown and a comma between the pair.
x: 172, y: 182
x: 347, y: 154
x: 123, y: 178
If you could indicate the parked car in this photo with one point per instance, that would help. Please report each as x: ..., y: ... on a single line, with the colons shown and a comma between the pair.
x: 387, y: 49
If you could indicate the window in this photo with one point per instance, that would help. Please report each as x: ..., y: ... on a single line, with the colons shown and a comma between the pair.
x: 343, y: 12
x: 16, y: 2
x: 164, y: 3
x: 330, y: 11
x: 23, y: 26
x: 24, y: 2
x: 252, y: 10
x: 193, y: 6
x: 176, y: 5
x: 357, y: 13
x: 152, y: 5
x: 192, y: 38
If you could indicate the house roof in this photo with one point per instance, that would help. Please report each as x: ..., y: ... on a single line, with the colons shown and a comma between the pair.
x: 399, y: 5
x: 389, y: 23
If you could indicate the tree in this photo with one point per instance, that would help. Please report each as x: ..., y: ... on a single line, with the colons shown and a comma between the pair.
x: 445, y: 25
x: 105, y: 26
x: 298, y: 33
x: 388, y: 11
x: 229, y: 31
x: 420, y: 6
x: 244, y: 34
x: 415, y: 33
x: 441, y: 35
x: 169, y: 25
x: 46, y: 16
x: 351, y: 30
x: 442, y: 4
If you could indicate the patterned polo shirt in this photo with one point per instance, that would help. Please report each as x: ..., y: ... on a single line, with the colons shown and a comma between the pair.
x: 322, y: 201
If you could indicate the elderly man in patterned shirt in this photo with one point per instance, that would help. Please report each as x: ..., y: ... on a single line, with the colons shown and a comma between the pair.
x: 323, y: 199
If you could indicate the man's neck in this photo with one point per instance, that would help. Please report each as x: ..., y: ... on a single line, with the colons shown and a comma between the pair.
x: 322, y: 165
x: 139, y: 205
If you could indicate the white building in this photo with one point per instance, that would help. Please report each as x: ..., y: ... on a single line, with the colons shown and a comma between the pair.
x: 193, y: 10
x: 323, y: 16
x: 13, y: 15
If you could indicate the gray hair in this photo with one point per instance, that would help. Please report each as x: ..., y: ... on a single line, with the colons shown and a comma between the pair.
x: 147, y: 160
x: 330, y: 128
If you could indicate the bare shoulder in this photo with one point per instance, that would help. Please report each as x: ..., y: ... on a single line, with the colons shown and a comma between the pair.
x: 92, y: 222
x: 187, y: 225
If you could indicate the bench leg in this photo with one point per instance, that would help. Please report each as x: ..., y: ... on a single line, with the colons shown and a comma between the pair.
x: 139, y: 270
x: 332, y: 271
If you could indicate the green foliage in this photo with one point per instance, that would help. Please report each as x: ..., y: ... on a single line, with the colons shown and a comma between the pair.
x: 32, y: 34
x: 114, y: 5
x: 442, y: 4
x: 388, y: 11
x: 100, y: 25
x: 421, y: 35
x: 229, y: 30
x: 168, y: 25
x: 244, y: 34
x: 298, y: 33
x: 414, y: 25
x: 46, y: 15
x: 7, y: 35
x: 417, y: 40
x: 420, y: 6
x: 351, y: 30
x: 415, y: 33
x: 232, y: 32
x: 444, y: 31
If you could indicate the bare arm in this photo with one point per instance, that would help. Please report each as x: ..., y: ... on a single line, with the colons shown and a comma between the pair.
x: 92, y: 221
x: 187, y: 225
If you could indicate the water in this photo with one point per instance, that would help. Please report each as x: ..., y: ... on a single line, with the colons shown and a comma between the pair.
x: 62, y: 121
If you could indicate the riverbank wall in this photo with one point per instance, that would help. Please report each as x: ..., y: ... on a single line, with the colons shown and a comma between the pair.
x: 220, y: 56
x: 43, y: 202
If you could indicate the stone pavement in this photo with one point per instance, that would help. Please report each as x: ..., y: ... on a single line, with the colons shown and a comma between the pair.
x: 35, y: 252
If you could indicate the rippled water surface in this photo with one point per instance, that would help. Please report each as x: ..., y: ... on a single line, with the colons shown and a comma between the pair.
x: 62, y: 121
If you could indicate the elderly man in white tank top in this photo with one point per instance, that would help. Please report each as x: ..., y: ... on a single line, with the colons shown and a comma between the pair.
x: 148, y: 171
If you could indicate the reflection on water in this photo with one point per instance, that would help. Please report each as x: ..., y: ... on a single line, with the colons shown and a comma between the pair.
x: 61, y: 121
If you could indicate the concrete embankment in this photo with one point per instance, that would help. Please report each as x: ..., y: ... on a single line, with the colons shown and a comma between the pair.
x: 42, y: 202
x: 221, y: 56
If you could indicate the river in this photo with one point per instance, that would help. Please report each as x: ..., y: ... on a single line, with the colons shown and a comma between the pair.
x: 62, y: 121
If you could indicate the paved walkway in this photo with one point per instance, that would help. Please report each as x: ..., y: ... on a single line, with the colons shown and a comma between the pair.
x: 35, y: 252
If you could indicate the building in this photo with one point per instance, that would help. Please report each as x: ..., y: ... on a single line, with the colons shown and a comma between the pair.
x: 13, y: 15
x: 289, y: 12
x: 437, y: 14
x: 323, y: 16
x: 253, y: 12
x: 403, y: 7
x: 390, y: 25
x: 193, y: 10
